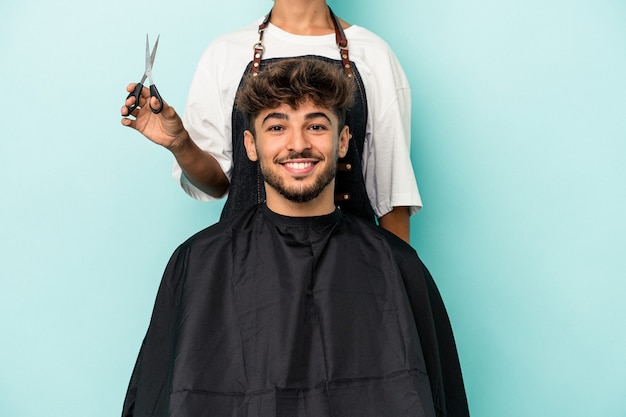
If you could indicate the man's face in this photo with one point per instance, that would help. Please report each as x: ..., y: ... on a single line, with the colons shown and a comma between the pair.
x: 297, y: 149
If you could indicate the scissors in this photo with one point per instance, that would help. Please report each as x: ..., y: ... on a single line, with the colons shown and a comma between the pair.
x: 147, y: 74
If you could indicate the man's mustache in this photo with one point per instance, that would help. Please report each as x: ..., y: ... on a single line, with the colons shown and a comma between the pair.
x: 306, y: 154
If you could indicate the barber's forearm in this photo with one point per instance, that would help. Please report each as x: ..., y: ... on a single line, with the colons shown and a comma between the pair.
x: 397, y: 221
x: 200, y: 168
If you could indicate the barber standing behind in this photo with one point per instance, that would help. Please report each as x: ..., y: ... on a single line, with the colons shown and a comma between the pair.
x: 374, y: 181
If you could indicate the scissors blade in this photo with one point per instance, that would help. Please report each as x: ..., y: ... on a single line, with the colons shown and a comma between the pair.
x: 150, y: 56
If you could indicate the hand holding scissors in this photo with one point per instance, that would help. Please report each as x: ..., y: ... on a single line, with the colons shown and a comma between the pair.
x: 162, y: 125
x: 147, y: 74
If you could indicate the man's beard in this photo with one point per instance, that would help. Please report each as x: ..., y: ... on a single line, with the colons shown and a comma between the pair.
x: 300, y: 193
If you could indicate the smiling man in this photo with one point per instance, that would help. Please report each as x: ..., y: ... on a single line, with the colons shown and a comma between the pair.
x: 296, y: 113
x: 293, y: 308
x: 298, y: 151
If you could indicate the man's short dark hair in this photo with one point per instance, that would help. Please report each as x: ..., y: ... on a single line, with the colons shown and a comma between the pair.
x: 294, y: 81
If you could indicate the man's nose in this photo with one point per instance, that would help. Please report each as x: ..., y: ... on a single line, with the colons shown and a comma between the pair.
x: 298, y: 141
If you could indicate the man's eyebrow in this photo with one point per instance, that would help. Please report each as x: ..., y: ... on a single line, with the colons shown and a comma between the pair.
x: 318, y: 114
x: 275, y: 115
x: 283, y: 116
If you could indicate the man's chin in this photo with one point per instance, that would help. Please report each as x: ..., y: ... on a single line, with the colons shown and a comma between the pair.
x: 299, y: 190
x: 302, y: 195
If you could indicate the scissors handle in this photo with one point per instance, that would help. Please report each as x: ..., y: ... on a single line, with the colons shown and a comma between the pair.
x: 155, y: 93
x: 135, y: 93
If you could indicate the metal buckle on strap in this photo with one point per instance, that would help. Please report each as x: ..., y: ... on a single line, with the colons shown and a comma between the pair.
x: 345, y: 59
x: 258, y: 55
x: 259, y: 49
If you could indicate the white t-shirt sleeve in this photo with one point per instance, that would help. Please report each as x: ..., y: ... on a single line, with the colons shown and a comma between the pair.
x: 208, y: 111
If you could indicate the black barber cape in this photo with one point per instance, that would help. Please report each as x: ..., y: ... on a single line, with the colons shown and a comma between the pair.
x: 263, y: 315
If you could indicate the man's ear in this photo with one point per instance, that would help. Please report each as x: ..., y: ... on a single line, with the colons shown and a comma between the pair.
x: 248, y: 141
x: 344, y: 140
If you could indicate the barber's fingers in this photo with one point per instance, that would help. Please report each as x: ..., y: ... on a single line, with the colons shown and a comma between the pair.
x: 145, y: 91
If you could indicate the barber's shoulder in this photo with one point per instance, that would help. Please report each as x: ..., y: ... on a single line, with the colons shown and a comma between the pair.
x: 236, y: 41
x: 360, y: 37
x: 245, y: 35
x: 375, y: 60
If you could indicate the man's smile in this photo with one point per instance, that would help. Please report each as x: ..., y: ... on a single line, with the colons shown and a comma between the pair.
x: 299, y: 167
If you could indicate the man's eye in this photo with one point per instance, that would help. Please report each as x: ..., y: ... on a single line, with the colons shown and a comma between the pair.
x: 317, y: 127
x: 275, y: 128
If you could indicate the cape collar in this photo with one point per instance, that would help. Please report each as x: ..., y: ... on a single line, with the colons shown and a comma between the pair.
x: 327, y: 219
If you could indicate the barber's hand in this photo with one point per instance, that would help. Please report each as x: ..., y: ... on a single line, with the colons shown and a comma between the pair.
x: 165, y: 128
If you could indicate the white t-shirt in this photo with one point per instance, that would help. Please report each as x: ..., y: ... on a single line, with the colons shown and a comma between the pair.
x: 387, y: 169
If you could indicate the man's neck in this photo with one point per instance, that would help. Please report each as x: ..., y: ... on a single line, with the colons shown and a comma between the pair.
x: 303, y: 17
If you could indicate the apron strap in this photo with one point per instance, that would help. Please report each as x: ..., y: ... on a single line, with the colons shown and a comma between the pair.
x: 258, y: 47
x: 340, y: 39
x: 342, y: 44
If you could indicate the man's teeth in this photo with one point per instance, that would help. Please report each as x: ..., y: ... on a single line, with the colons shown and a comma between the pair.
x: 298, y: 165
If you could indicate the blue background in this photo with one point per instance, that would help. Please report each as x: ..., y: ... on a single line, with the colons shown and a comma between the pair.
x: 519, y: 133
